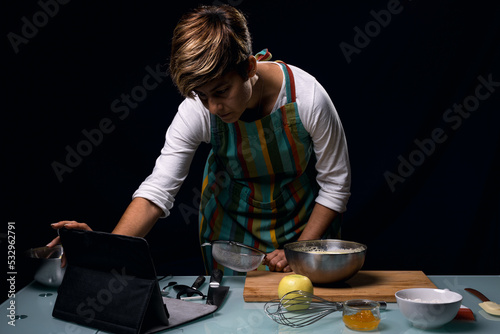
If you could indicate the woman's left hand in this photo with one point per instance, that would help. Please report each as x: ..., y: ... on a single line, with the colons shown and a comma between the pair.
x: 276, y: 261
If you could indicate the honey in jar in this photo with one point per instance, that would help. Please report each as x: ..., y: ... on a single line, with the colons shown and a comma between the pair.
x: 361, y: 315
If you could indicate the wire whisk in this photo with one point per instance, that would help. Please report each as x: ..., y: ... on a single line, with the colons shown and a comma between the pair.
x: 300, y: 308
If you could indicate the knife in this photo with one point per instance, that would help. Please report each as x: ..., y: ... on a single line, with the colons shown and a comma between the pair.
x: 487, y: 305
x: 216, y: 292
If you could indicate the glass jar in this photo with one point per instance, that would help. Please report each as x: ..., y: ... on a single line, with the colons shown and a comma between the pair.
x: 361, y: 314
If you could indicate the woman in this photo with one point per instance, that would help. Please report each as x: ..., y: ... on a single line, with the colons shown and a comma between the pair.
x: 279, y: 168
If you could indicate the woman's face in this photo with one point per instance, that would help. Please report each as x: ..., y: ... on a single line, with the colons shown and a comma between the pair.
x: 226, y: 97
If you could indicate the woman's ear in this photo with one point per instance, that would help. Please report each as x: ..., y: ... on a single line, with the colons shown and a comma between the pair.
x: 252, y: 66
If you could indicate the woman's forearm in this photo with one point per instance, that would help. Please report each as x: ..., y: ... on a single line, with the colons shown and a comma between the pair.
x: 138, y: 219
x: 318, y: 223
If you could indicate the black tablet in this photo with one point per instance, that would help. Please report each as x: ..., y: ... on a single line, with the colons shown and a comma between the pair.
x: 110, y: 283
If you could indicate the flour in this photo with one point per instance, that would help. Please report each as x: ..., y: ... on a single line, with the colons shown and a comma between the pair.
x: 318, y: 250
x: 418, y: 300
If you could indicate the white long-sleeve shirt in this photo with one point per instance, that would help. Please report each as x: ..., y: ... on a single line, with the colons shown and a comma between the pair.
x: 191, y: 126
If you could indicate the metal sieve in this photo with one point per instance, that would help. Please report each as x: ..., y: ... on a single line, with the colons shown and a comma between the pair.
x: 236, y: 256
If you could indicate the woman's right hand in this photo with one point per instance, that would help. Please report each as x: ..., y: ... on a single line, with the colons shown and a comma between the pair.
x: 69, y: 225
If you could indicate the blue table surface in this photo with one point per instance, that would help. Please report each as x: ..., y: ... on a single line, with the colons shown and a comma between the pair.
x: 34, y: 304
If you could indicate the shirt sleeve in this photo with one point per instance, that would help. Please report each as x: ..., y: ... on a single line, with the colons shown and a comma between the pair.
x: 330, y: 146
x: 190, y: 127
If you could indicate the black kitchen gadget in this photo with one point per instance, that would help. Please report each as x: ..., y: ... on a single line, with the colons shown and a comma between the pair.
x: 189, y: 291
x: 216, y: 292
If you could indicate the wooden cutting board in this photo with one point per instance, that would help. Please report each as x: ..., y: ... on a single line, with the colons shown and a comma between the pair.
x: 262, y: 286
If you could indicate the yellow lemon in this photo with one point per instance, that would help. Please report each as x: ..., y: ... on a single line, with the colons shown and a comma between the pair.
x: 294, y: 301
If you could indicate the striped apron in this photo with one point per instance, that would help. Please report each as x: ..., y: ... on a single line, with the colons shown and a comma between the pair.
x: 259, y: 183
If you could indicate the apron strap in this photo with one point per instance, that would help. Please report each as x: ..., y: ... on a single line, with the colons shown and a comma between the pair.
x: 265, y: 55
x: 290, y: 83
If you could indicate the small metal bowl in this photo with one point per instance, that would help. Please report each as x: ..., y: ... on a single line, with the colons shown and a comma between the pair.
x: 49, y: 271
x: 325, y: 261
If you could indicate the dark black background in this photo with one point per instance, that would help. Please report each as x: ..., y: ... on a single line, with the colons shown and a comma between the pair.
x: 443, y: 219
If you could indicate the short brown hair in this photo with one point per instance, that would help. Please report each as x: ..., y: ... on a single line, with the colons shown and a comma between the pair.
x: 207, y: 43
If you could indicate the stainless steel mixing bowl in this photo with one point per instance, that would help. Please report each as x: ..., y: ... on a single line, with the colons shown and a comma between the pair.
x: 325, y: 261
